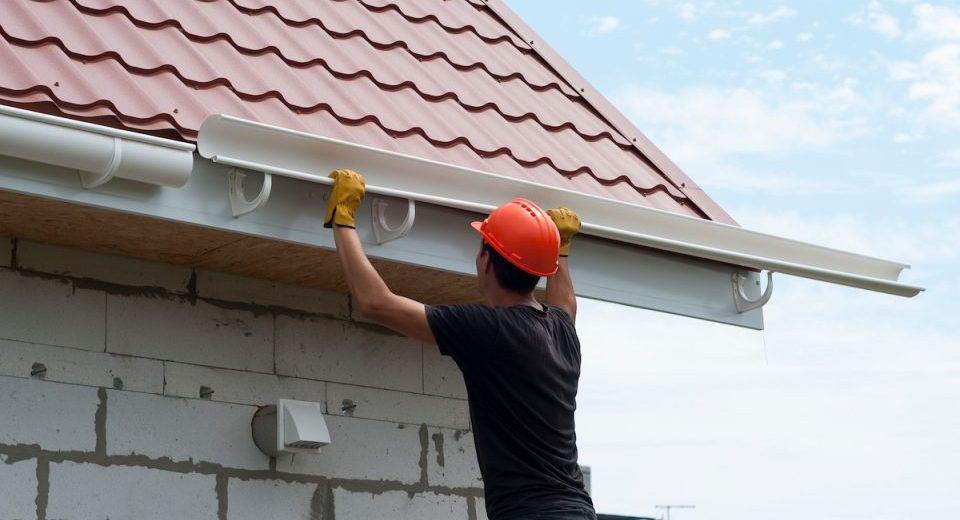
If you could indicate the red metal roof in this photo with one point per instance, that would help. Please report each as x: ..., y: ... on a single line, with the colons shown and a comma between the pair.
x: 449, y: 81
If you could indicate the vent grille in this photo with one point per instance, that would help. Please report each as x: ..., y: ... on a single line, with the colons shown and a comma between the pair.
x: 307, y: 445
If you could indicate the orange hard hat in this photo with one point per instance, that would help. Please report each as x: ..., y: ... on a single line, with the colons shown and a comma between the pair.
x: 523, y: 234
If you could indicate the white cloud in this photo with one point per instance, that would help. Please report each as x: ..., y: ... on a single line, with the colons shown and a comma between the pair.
x: 912, y: 242
x: 933, y: 80
x: 937, y: 22
x: 670, y: 51
x: 804, y: 37
x: 879, y: 20
x: 601, y: 25
x: 774, y: 75
x: 906, y: 137
x: 775, y: 44
x: 829, y: 62
x: 719, y: 34
x: 689, y: 12
x: 738, y: 412
x: 934, y: 191
x: 952, y: 156
x: 703, y: 124
x: 720, y: 175
x: 777, y: 14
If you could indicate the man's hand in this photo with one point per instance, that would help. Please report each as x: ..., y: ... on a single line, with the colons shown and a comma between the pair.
x: 348, y: 190
x: 568, y: 223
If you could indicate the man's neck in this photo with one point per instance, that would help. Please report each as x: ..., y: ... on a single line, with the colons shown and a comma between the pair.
x: 503, y: 298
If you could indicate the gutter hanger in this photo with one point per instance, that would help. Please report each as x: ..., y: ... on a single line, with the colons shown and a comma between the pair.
x: 100, y: 153
x: 278, y: 151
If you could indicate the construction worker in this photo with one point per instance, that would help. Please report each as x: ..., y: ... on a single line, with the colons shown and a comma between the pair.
x: 520, y: 358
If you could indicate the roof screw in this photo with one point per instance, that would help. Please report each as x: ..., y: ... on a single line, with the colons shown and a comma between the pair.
x: 581, y: 90
x: 348, y: 407
x: 56, y: 83
x: 634, y: 139
x: 118, y: 383
x: 683, y: 185
x: 176, y: 110
x: 206, y: 392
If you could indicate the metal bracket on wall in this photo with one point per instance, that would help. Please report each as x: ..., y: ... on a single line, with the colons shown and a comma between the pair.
x: 381, y: 230
x: 745, y: 304
x: 238, y: 199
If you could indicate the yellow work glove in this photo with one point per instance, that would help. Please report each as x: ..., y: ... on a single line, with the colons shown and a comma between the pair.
x: 348, y: 190
x: 568, y: 224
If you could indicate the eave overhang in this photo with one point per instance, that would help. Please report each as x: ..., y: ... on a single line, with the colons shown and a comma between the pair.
x: 167, y: 203
x: 287, y: 153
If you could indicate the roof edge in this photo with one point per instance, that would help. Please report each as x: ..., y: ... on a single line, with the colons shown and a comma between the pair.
x: 616, y: 119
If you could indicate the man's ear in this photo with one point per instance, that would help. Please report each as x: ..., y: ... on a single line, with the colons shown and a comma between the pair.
x: 487, y: 261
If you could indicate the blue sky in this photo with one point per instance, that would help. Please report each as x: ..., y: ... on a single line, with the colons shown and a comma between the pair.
x: 831, y: 122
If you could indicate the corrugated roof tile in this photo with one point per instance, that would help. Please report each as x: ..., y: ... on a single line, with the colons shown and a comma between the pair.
x: 447, y: 81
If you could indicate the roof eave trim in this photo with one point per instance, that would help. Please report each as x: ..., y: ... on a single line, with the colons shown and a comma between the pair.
x: 270, y: 149
x: 98, y: 152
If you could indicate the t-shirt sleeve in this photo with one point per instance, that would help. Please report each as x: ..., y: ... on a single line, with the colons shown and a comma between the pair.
x: 463, y: 332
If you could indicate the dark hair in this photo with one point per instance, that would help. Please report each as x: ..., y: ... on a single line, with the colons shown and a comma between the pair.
x: 510, y: 277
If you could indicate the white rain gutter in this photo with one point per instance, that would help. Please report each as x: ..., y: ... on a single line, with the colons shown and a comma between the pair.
x: 99, y: 153
x: 278, y: 151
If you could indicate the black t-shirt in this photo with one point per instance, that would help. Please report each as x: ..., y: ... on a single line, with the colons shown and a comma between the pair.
x: 521, y: 367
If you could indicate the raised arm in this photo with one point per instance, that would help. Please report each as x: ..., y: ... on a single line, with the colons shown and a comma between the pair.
x: 560, y: 291
x: 370, y: 293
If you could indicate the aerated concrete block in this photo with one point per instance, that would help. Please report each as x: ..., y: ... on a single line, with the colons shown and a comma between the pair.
x: 362, y: 449
x: 237, y: 386
x: 222, y: 286
x: 18, y: 484
x: 89, y: 491
x: 121, y: 270
x: 51, y: 312
x: 81, y: 367
x: 273, y: 499
x: 176, y: 330
x: 393, y: 405
x: 182, y: 430
x: 441, y: 376
x: 52, y: 415
x: 397, y: 505
x: 345, y: 352
x: 452, y: 459
x: 481, y: 507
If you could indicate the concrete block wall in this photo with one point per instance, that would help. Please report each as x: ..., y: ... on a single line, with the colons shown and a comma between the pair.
x: 127, y: 389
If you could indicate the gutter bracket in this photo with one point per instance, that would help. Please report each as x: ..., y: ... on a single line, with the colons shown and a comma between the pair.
x: 94, y: 179
x: 238, y: 200
x: 382, y: 231
x: 745, y: 304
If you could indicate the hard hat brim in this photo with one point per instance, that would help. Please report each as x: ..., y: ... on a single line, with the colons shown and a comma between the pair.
x: 496, y: 246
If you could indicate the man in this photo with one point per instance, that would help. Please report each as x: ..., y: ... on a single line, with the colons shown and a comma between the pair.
x: 520, y: 359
